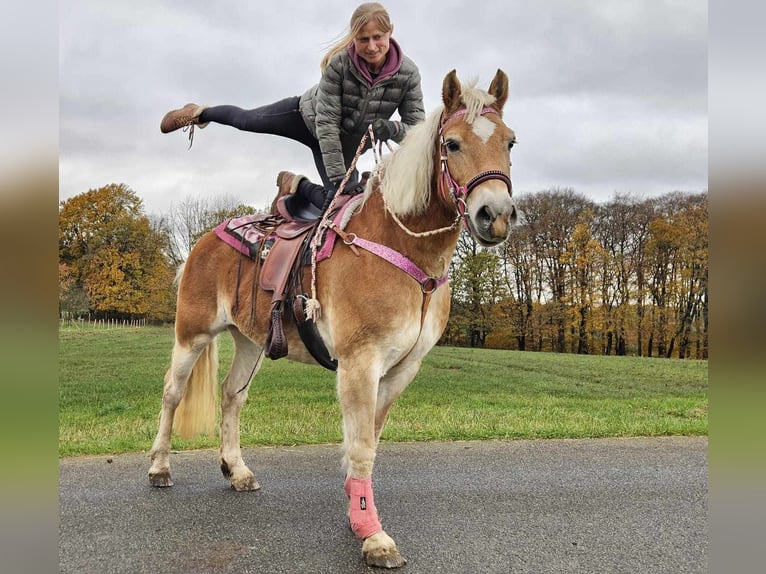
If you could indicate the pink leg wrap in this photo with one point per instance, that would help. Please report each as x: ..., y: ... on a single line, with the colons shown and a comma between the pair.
x: 363, y: 514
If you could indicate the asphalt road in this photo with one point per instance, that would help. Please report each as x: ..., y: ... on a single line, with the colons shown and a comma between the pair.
x: 605, y: 506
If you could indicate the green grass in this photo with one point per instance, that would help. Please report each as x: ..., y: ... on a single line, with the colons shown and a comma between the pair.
x: 110, y: 390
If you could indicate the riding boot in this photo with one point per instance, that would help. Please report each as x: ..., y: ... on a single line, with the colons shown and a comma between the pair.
x: 287, y: 182
x: 312, y: 192
x: 186, y: 116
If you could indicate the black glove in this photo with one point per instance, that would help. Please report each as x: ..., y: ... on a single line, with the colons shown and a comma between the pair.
x: 352, y: 187
x: 385, y: 129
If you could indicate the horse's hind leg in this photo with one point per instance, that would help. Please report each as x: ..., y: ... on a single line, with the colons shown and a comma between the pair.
x: 183, y: 359
x: 247, y: 361
x: 357, y: 393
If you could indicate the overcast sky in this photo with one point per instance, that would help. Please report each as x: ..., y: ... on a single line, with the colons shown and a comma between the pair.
x: 605, y: 96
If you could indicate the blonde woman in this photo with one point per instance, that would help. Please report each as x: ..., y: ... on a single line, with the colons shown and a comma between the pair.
x: 365, y: 78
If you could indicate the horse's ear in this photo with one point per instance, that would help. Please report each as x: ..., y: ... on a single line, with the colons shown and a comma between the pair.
x: 499, y: 89
x: 451, y: 92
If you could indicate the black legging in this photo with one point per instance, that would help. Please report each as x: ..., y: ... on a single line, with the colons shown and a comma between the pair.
x: 282, y: 118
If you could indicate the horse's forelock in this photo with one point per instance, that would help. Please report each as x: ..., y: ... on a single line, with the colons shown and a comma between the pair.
x: 475, y: 100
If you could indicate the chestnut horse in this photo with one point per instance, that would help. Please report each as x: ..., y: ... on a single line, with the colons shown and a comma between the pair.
x: 382, y: 308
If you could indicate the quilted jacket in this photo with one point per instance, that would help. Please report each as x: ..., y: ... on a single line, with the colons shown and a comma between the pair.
x: 342, y: 105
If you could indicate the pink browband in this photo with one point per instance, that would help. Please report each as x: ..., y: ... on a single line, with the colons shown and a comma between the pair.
x: 458, y: 193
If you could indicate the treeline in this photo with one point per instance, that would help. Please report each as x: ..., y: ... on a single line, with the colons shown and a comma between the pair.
x: 118, y: 263
x: 628, y: 277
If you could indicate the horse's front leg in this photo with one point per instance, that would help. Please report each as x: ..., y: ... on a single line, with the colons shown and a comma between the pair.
x: 390, y: 387
x: 357, y: 393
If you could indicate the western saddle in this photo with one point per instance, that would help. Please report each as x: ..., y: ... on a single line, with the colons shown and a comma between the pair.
x: 282, y: 271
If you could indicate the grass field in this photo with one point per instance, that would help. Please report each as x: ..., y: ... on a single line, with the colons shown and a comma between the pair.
x: 110, y: 389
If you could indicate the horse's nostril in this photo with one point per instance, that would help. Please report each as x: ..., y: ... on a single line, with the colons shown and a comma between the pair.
x: 484, y: 217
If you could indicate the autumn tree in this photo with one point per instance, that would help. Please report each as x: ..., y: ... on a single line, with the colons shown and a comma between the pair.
x: 664, y: 243
x: 518, y: 279
x: 113, y: 254
x: 629, y: 276
x: 583, y: 257
x: 73, y: 302
x: 691, y: 300
x: 551, y: 216
x: 621, y: 226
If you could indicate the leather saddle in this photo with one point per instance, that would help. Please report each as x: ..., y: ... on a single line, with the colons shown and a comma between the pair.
x: 281, y: 274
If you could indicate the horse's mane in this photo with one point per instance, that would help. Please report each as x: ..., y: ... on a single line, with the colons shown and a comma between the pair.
x: 404, y: 176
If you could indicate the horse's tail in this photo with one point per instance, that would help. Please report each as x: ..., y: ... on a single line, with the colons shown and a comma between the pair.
x: 196, y: 412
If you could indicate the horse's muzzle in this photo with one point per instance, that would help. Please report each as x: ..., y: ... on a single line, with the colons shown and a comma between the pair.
x: 491, y: 213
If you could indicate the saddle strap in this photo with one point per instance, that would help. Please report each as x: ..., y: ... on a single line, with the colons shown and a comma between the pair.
x: 310, y: 336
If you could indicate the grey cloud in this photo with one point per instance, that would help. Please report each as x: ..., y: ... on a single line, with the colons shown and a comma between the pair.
x: 585, y: 77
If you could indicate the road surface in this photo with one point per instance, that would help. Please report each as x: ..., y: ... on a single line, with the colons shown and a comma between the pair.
x: 548, y: 506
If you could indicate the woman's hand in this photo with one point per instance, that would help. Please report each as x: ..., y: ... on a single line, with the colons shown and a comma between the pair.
x: 385, y: 129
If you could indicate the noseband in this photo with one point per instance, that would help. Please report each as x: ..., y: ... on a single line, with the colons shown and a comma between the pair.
x: 459, y: 193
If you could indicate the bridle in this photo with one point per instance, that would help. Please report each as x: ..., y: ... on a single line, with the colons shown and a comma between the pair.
x: 458, y: 194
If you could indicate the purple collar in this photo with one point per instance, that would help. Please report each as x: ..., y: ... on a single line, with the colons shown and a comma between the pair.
x: 390, y: 67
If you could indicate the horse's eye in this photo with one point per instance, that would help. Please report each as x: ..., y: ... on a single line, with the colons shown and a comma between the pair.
x: 452, y: 146
x: 510, y: 144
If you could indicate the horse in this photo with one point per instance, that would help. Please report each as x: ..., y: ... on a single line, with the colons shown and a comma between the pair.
x: 379, y: 315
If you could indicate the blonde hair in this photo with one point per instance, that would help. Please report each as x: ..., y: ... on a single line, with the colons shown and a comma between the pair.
x: 364, y: 14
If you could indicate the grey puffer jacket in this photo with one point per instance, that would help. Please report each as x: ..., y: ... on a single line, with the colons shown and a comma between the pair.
x: 344, y: 103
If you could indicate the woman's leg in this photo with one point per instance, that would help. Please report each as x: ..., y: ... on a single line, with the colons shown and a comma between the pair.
x: 282, y: 118
x: 349, y: 145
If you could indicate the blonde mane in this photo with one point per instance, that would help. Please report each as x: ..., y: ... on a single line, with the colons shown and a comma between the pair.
x: 404, y: 177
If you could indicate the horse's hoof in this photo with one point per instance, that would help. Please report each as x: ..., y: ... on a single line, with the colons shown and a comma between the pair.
x: 394, y: 560
x: 161, y: 479
x: 386, y: 561
x: 245, y: 484
x: 380, y: 551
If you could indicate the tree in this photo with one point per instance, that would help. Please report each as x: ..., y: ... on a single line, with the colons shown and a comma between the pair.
x: 621, y: 227
x: 691, y: 303
x: 477, y: 287
x: 114, y: 255
x: 552, y: 216
x: 73, y: 302
x: 626, y: 276
x: 583, y: 256
x: 190, y: 219
x: 520, y: 272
